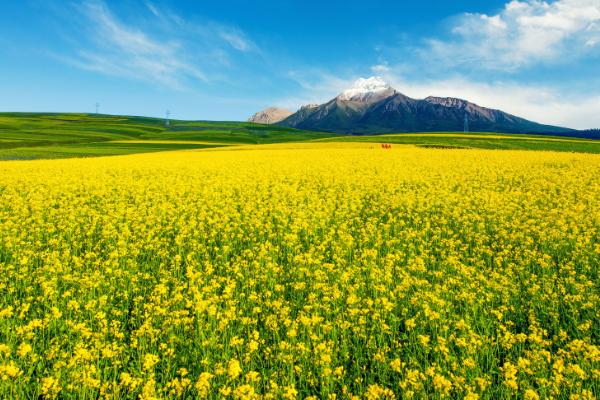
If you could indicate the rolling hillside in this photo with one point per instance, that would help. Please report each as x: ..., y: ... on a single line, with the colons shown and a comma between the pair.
x: 42, y: 135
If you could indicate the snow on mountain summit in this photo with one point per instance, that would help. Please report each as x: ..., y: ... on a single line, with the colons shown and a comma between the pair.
x: 373, y: 84
x: 367, y: 90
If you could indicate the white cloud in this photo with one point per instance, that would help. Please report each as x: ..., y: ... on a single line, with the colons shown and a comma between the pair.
x: 595, y: 36
x: 524, y: 32
x: 380, y: 68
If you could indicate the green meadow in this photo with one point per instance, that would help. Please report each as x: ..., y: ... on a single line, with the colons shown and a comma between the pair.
x: 26, y: 136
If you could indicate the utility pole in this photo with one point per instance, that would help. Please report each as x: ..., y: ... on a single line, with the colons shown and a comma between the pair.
x: 466, y: 123
x: 168, y: 112
x: 97, y: 105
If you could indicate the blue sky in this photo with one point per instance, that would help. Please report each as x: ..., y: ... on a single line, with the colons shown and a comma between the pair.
x: 227, y: 60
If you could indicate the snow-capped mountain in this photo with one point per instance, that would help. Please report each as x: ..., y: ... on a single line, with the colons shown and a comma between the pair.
x: 368, y: 90
x: 373, y: 106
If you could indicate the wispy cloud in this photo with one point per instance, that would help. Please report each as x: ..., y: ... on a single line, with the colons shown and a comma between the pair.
x: 165, y: 15
x: 236, y: 38
x: 153, y: 9
x: 523, y: 33
x: 165, y: 50
x: 380, y: 68
x: 124, y: 50
x: 213, y: 30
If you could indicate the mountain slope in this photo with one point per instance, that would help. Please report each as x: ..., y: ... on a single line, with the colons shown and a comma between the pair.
x: 372, y: 106
x: 270, y: 115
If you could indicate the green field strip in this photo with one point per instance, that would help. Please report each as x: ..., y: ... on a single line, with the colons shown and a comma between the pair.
x: 59, y: 135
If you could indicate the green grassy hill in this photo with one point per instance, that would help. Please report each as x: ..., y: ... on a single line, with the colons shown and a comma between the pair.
x: 25, y: 136
x: 36, y: 135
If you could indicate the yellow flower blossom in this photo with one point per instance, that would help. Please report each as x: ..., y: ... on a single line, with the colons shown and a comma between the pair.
x: 531, y: 395
x: 24, y: 349
x: 307, y: 270
x: 234, y: 369
x: 150, y: 360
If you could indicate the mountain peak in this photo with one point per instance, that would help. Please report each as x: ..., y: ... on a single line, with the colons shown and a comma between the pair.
x: 368, y: 90
x: 270, y: 115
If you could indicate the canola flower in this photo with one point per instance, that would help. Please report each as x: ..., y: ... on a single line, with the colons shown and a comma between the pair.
x: 321, y: 271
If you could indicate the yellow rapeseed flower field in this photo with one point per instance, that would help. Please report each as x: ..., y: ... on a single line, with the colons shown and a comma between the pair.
x: 323, y: 271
